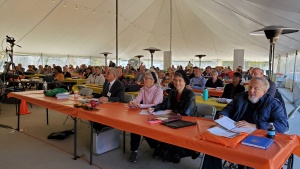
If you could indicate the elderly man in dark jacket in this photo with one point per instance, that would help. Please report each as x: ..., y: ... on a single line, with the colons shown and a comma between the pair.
x: 253, y: 109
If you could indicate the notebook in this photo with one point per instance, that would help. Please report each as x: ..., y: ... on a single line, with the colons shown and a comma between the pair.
x: 178, y: 124
x: 258, y: 142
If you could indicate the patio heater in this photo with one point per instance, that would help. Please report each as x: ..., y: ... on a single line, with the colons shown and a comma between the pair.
x: 200, y: 56
x: 105, y: 55
x: 139, y: 56
x: 152, y: 50
x: 272, y: 33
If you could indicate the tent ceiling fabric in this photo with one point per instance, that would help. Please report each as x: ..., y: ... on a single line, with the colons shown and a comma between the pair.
x: 211, y: 27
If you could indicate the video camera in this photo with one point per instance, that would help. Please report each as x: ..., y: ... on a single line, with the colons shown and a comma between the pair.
x: 10, y: 40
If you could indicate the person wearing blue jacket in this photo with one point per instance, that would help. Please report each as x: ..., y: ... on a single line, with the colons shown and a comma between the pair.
x: 253, y: 109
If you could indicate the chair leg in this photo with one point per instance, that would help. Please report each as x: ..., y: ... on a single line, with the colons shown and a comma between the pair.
x: 143, y: 138
x: 201, y: 162
x: 124, y: 141
x: 290, y: 162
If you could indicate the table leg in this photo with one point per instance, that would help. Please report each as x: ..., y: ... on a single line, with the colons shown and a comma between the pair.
x: 124, y: 141
x: 17, y: 103
x: 75, y: 138
x: 47, y: 117
x: 91, y: 144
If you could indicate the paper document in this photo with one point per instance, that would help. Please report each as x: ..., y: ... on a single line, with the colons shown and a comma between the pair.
x: 228, y: 124
x: 161, y: 112
x: 144, y: 112
x: 221, y: 132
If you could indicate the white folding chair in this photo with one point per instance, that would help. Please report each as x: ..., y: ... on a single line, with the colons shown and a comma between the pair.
x: 209, y: 112
x: 85, y: 92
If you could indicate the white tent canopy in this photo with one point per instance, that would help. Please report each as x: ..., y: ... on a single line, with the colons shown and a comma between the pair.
x: 211, y: 27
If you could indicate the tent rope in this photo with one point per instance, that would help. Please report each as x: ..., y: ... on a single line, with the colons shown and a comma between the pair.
x: 40, y: 21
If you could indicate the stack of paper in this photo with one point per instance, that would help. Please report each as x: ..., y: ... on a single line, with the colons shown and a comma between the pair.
x: 62, y: 95
x: 228, y: 129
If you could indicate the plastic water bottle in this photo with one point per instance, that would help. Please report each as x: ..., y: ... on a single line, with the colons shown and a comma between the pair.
x: 45, y: 86
x: 205, y: 94
x: 271, y: 131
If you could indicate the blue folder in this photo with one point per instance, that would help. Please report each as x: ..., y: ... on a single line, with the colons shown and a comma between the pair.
x: 258, y: 142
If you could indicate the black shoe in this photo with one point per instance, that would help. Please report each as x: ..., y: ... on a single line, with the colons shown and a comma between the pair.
x: 157, y: 152
x: 133, y: 157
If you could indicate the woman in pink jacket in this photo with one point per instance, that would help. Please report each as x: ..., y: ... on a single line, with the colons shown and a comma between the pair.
x: 150, y: 95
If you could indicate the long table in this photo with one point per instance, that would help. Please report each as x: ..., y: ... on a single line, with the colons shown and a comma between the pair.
x: 211, y: 92
x: 76, y: 81
x: 119, y: 116
x: 98, y: 89
x: 37, y: 97
x: 210, y: 101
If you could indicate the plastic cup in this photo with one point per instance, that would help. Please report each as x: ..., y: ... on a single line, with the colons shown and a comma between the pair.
x: 75, y: 94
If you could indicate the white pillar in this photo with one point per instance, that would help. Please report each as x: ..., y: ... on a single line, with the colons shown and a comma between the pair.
x: 167, y: 59
x: 238, y: 58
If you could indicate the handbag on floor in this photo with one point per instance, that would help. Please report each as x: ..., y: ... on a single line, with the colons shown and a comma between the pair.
x: 60, y: 135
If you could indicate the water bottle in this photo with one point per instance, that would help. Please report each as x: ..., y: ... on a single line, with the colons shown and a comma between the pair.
x: 271, y: 131
x: 205, y: 94
x: 45, y: 86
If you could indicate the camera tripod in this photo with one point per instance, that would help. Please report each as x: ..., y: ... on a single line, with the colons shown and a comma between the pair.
x: 15, y: 72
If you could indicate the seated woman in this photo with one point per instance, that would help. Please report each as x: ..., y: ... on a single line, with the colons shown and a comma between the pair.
x: 87, y: 73
x: 30, y: 70
x: 66, y: 73
x: 224, y: 75
x: 48, y: 70
x: 96, y: 78
x: 58, y: 75
x: 182, y: 101
x: 233, y: 88
x: 150, y: 95
x: 214, y: 81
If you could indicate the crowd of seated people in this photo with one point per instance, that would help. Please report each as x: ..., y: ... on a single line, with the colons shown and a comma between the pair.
x: 180, y: 97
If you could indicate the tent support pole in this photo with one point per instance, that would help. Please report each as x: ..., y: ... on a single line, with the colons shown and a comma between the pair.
x: 117, y: 24
x: 294, y: 73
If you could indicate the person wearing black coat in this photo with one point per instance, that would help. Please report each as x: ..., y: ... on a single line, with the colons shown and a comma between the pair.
x: 214, y: 81
x: 182, y: 101
x: 113, y: 89
x: 234, y: 88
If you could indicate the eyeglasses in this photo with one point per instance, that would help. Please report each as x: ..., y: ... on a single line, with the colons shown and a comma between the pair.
x: 147, y: 78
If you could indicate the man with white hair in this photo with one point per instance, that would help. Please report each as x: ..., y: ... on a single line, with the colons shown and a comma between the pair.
x: 252, y: 109
x: 113, y: 89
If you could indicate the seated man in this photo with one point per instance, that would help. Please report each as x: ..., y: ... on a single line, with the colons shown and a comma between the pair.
x: 214, y: 81
x: 234, y: 88
x: 197, y: 82
x: 113, y: 91
x: 253, y: 109
x: 139, y: 77
x: 257, y: 72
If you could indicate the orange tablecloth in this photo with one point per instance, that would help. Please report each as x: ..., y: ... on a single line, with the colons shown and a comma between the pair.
x: 211, y: 92
x: 37, y: 97
x: 118, y: 115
